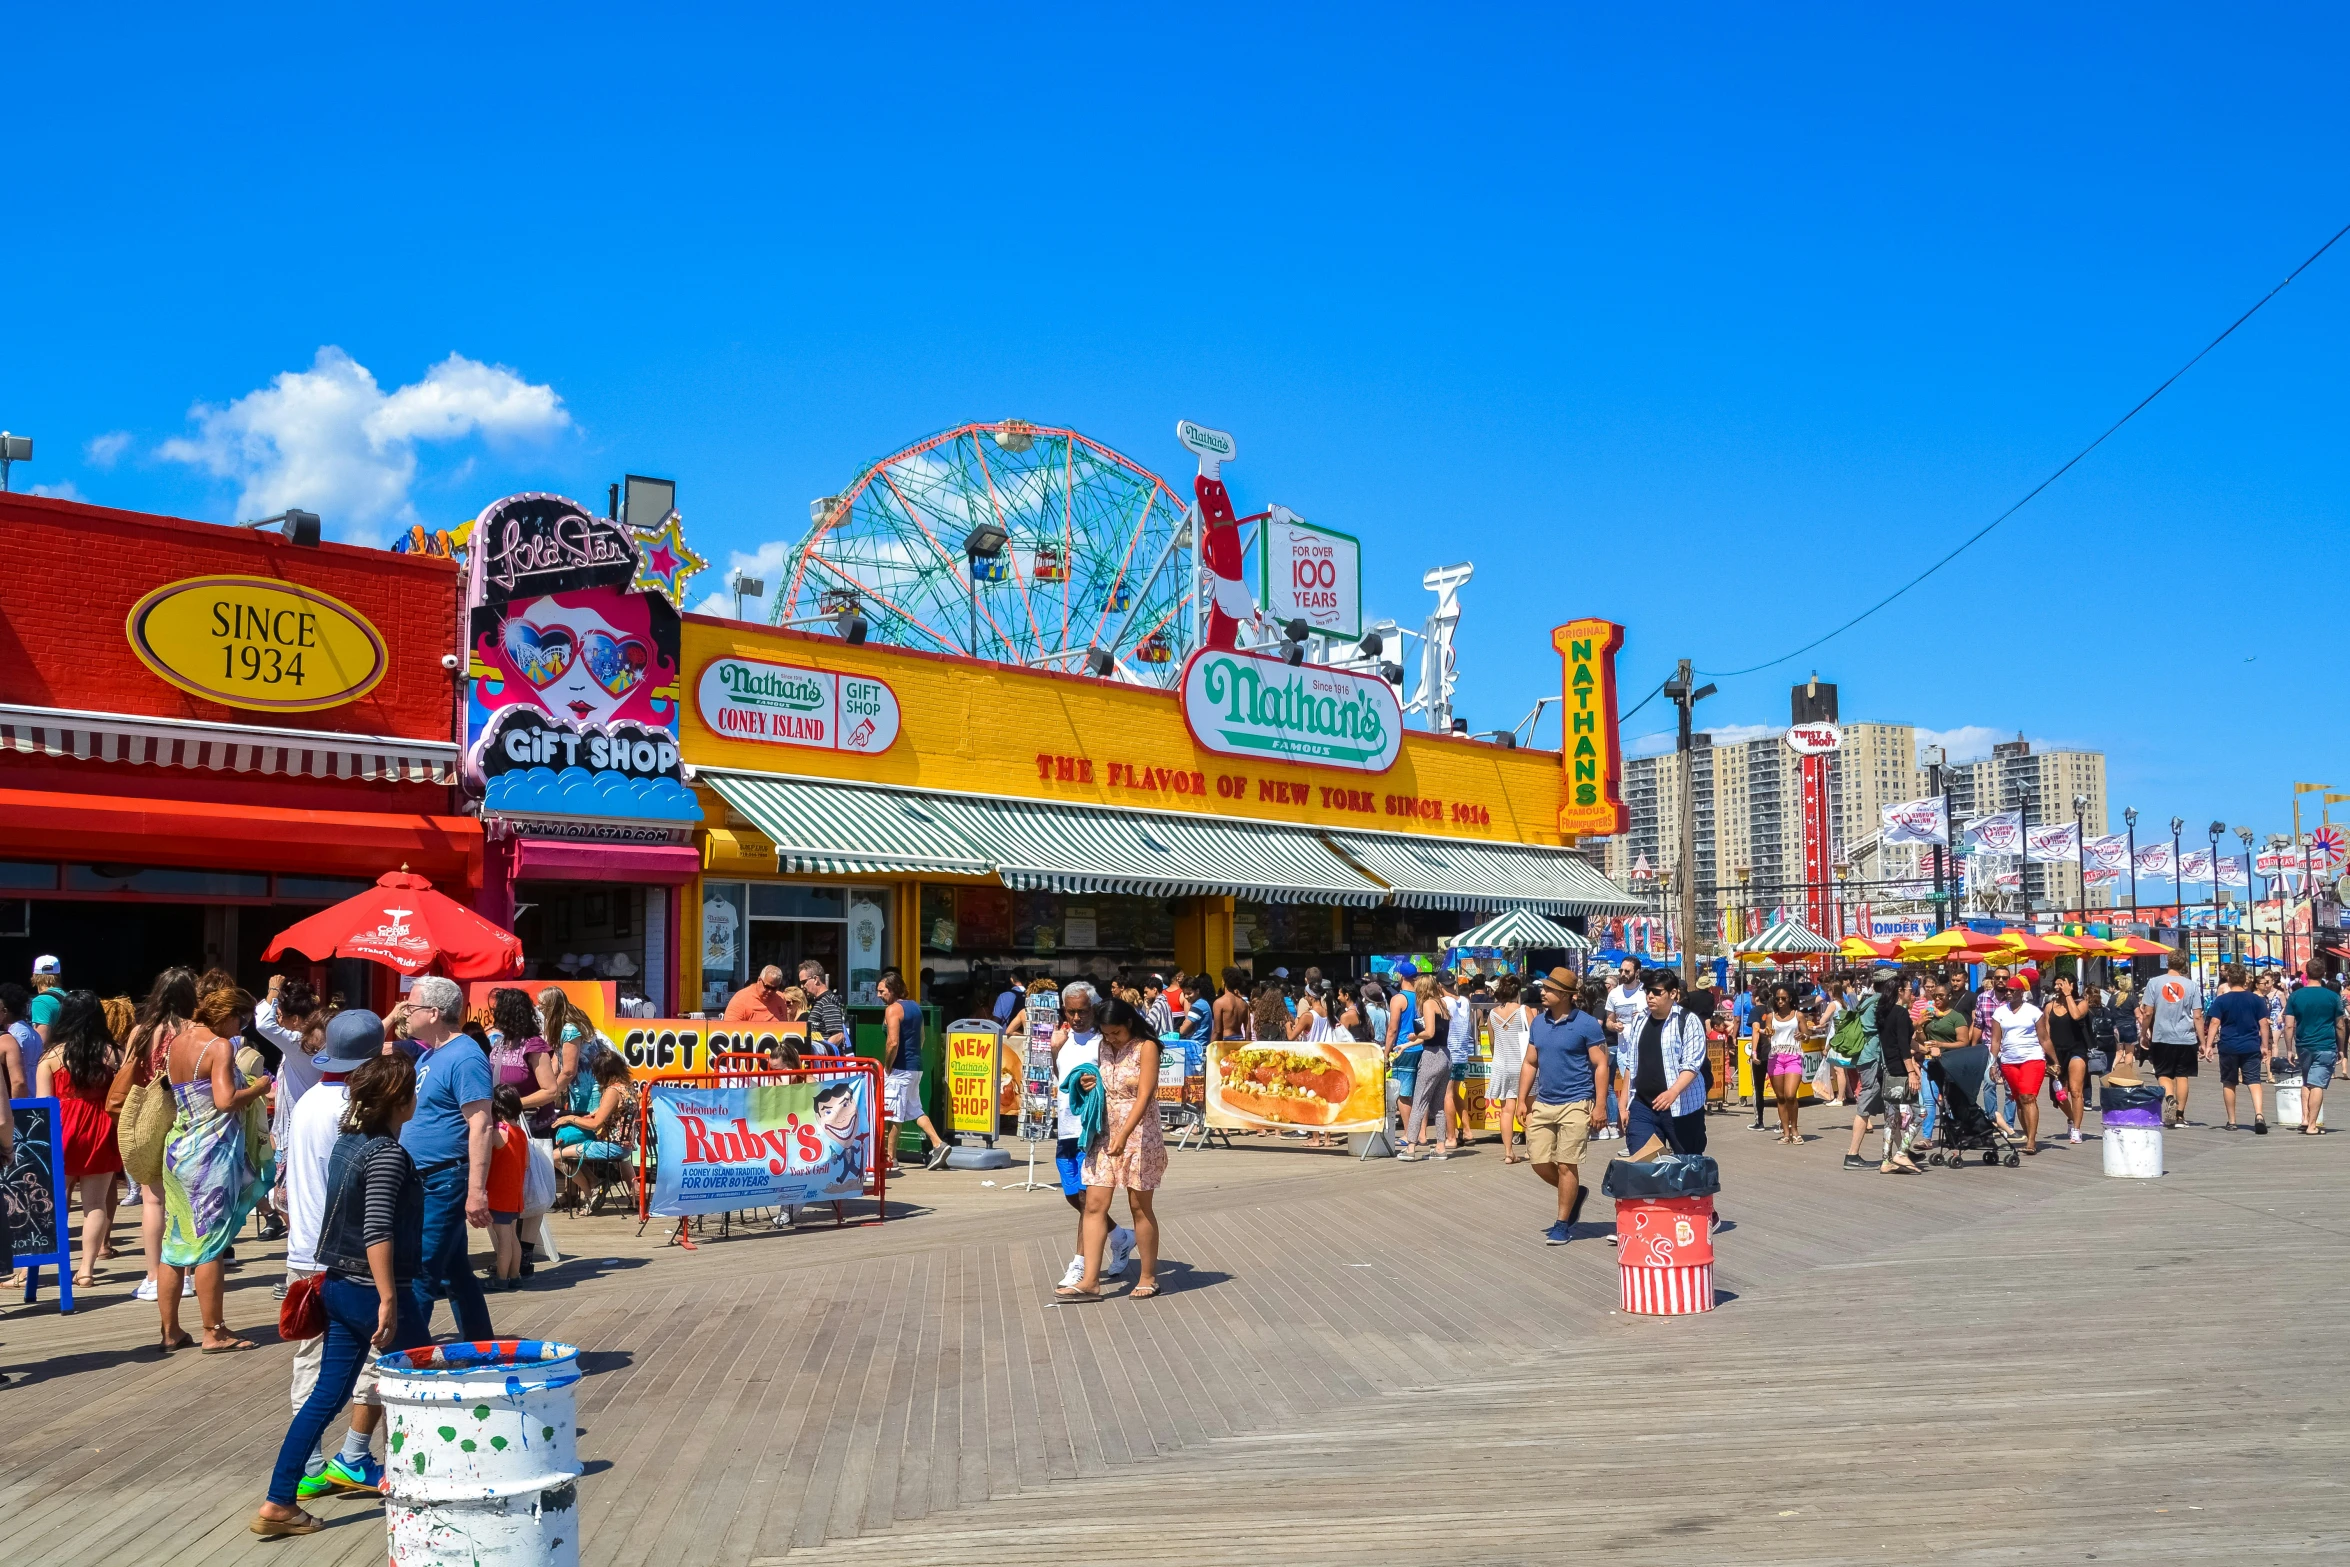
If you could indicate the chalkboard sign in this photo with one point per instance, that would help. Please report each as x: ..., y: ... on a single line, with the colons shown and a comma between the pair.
x: 32, y: 1196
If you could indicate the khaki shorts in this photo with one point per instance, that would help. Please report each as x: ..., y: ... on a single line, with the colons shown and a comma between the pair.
x: 1557, y: 1134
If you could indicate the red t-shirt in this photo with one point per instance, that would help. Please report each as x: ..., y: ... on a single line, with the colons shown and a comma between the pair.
x: 508, y: 1160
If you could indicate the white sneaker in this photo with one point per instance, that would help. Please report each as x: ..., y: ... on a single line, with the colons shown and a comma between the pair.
x: 1121, y: 1250
x: 1076, y: 1274
x: 145, y: 1291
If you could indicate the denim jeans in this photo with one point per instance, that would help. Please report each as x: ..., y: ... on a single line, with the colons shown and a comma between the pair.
x: 1682, y: 1133
x: 448, y: 1264
x: 350, y: 1329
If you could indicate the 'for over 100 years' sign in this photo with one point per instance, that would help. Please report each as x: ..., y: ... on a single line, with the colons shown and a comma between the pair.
x: 785, y: 704
x: 1242, y: 704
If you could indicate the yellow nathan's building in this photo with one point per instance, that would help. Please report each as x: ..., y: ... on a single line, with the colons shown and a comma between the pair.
x: 872, y: 807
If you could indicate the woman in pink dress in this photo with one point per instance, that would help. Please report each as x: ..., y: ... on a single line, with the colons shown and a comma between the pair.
x: 1124, y: 1147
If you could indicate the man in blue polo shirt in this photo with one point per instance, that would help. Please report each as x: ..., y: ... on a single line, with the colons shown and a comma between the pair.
x: 449, y: 1139
x: 1564, y: 1079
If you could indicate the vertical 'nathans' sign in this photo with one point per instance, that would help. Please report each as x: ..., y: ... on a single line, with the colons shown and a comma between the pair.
x: 1591, y: 757
x: 1243, y: 704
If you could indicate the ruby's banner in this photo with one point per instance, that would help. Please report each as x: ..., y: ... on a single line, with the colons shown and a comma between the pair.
x: 762, y: 1145
x: 2000, y: 834
x: 1917, y: 821
x: 2056, y: 844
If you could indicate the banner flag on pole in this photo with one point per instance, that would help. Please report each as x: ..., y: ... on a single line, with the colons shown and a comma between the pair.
x: 1918, y: 821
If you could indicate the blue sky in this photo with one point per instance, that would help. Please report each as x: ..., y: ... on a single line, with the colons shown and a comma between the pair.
x: 1718, y: 323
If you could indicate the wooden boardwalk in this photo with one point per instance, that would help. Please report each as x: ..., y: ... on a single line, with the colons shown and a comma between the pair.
x: 1981, y: 1365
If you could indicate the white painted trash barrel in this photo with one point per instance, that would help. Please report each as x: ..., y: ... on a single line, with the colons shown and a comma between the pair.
x: 2288, y: 1090
x: 480, y: 1466
x: 2132, y: 1153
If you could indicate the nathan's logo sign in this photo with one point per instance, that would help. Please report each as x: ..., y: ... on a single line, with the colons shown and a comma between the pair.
x: 271, y: 647
x: 1591, y: 752
x: 1241, y: 704
x: 784, y: 704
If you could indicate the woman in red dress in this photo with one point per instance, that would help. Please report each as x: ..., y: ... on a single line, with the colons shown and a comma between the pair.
x: 78, y: 1069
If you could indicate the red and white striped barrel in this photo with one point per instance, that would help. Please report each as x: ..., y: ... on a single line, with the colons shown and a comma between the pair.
x: 1665, y: 1249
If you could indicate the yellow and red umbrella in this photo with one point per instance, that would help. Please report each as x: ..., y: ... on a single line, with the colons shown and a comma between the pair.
x: 2014, y: 944
x: 1861, y: 947
x: 1958, y: 942
x: 2129, y: 947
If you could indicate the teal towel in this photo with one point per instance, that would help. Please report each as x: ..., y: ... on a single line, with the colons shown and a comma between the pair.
x: 1083, y: 1085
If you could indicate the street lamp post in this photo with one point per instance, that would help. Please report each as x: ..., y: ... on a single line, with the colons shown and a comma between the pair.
x: 2081, y: 849
x: 2130, y: 820
x: 2219, y: 939
x: 2251, y: 903
x: 2178, y: 888
x: 1760, y: 1058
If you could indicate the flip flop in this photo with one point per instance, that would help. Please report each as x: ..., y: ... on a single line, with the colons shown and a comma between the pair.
x: 1142, y: 1292
x: 283, y: 1528
x: 1067, y: 1292
x: 229, y: 1348
x: 184, y: 1341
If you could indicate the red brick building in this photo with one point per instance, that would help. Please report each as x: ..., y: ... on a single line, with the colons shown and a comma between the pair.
x: 208, y: 732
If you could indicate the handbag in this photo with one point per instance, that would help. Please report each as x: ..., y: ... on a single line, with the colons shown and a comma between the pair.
x: 540, y: 1185
x: 302, y: 1314
x: 144, y: 1126
x: 1850, y: 1042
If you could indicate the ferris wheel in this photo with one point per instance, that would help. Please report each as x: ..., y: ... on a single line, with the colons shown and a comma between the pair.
x: 1011, y: 541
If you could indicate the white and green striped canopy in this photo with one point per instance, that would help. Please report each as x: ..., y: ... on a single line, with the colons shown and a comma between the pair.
x: 1520, y: 929
x: 1787, y: 936
x: 836, y: 830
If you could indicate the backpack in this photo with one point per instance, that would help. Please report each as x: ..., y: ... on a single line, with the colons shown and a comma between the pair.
x: 1850, y: 1045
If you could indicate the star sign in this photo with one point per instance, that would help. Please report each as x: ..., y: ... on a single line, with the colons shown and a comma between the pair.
x: 665, y: 561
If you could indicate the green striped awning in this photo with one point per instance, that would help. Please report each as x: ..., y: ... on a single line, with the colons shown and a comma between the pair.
x: 1080, y: 849
x: 1787, y: 936
x: 830, y: 829
x: 1451, y: 873
x: 1521, y: 928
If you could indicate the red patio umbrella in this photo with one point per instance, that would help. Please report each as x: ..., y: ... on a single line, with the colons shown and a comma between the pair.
x: 403, y: 924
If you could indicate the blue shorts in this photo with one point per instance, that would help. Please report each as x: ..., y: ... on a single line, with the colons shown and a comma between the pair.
x: 2239, y: 1066
x: 2317, y: 1067
x: 1071, y: 1164
x: 1460, y: 1071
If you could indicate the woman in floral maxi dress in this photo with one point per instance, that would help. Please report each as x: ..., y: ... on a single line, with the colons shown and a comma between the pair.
x: 1131, y: 1152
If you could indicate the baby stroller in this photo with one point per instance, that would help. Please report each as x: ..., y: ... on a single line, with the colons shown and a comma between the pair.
x: 1970, y: 1101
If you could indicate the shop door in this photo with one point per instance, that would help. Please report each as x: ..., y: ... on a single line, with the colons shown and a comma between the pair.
x: 116, y: 949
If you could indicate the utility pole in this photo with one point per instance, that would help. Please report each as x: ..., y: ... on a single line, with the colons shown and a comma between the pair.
x: 1936, y: 756
x: 1682, y: 697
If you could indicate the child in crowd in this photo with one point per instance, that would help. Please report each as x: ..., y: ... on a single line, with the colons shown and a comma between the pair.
x: 509, y: 1160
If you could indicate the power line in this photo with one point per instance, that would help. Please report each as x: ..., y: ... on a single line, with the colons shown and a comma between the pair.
x: 1977, y: 537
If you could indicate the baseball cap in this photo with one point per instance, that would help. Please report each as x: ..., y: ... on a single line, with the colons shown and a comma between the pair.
x: 47, y: 963
x: 352, y: 1039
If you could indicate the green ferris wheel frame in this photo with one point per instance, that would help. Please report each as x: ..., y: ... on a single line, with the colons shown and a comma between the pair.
x: 1097, y: 556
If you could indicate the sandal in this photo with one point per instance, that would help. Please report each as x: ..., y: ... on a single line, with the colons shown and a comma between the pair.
x: 1072, y: 1292
x: 184, y: 1341
x: 1143, y: 1292
x: 229, y: 1348
x: 283, y: 1528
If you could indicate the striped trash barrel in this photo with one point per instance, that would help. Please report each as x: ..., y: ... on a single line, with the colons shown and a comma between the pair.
x: 1665, y: 1251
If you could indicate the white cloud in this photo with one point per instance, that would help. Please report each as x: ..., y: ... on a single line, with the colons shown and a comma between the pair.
x: 104, y: 451
x: 1663, y: 740
x: 330, y: 440
x: 62, y: 490
x: 767, y: 564
x: 1972, y: 743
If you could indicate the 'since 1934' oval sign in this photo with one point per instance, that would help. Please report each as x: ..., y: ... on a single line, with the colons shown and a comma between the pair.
x: 271, y: 647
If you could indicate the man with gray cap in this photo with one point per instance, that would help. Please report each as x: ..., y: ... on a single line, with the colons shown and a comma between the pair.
x: 449, y: 1139
x: 352, y: 1038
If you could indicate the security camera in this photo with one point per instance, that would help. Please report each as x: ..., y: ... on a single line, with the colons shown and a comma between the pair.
x: 451, y: 662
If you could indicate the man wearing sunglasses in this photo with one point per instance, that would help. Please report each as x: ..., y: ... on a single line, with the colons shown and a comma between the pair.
x: 449, y: 1139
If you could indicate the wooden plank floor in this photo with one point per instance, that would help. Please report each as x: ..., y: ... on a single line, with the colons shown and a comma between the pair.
x: 1972, y: 1366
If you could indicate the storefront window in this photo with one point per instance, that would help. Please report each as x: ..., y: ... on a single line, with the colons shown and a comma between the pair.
x: 19, y: 877
x: 318, y: 889
x: 748, y: 925
x: 596, y: 930
x: 165, y: 880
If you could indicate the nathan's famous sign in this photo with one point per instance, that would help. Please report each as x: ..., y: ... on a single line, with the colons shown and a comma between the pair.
x: 1244, y: 704
x: 1591, y: 756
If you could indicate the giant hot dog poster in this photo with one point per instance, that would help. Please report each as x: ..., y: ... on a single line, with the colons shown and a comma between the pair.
x: 1331, y: 1086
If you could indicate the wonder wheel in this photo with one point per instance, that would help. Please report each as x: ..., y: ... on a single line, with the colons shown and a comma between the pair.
x: 1011, y: 541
